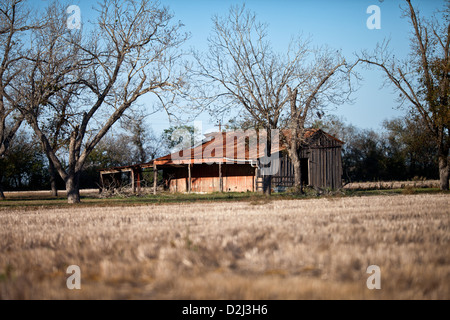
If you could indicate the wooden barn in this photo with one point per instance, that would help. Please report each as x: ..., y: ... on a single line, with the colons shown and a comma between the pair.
x: 226, y: 162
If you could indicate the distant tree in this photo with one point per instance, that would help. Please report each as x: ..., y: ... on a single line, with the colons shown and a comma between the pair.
x: 409, y: 142
x: 393, y: 165
x: 174, y: 138
x: 401, y: 151
x: 136, y: 145
x: 337, y: 127
x: 114, y: 150
x: 363, y: 158
x: 24, y: 164
x: 146, y: 145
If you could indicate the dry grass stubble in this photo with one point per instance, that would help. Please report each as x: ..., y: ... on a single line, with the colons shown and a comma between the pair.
x: 298, y: 249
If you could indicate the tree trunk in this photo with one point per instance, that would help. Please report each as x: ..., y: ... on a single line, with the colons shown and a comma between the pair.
x: 73, y: 188
x: 443, y: 168
x: 267, y: 178
x: 2, y: 195
x: 295, y: 125
x: 267, y: 185
x: 52, y: 172
x: 296, y: 163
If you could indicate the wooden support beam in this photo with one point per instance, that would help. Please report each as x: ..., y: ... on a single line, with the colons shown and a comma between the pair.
x: 133, y: 185
x: 102, y: 183
x: 155, y: 178
x: 220, y: 178
x: 255, y: 187
x: 113, y: 171
x: 139, y: 177
x: 189, y: 178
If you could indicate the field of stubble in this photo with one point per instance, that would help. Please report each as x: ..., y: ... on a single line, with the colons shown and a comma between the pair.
x: 290, y: 249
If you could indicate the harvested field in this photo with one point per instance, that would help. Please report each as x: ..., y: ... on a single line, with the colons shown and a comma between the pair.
x: 392, y: 185
x: 288, y: 249
x: 45, y: 194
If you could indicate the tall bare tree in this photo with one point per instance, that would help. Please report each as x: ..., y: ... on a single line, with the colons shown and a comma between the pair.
x: 131, y: 53
x: 15, y: 22
x: 276, y: 91
x: 423, y: 79
x: 247, y: 73
x: 326, y: 80
x: 57, y: 128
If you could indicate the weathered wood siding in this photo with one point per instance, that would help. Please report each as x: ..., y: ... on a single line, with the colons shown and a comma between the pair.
x: 285, y: 175
x: 325, y: 162
x: 205, y: 178
x: 325, y: 167
x: 324, y: 159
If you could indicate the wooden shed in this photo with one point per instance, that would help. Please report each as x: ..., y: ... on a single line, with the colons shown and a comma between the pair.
x: 226, y: 162
x: 321, y: 162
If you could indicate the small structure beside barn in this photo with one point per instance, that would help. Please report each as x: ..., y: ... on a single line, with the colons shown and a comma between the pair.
x: 227, y: 162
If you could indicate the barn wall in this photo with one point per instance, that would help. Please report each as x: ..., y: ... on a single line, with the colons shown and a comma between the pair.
x: 325, y: 167
x: 285, y: 175
x: 205, y: 178
x: 324, y: 161
x: 238, y: 177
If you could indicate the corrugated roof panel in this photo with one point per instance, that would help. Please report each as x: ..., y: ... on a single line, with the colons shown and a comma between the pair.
x: 223, y: 147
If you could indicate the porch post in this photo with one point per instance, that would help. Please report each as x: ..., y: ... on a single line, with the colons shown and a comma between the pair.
x: 189, y: 178
x: 155, y: 177
x: 139, y: 176
x: 102, y: 183
x: 220, y: 178
x: 133, y: 185
x: 255, y: 180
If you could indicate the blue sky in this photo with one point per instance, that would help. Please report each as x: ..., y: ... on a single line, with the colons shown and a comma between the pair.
x: 338, y: 24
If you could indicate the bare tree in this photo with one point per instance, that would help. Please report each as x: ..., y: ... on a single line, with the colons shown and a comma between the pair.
x: 57, y: 128
x: 145, y: 145
x: 15, y: 22
x: 241, y: 64
x: 326, y: 80
x: 276, y: 91
x: 47, y: 85
x: 423, y: 80
x: 132, y: 52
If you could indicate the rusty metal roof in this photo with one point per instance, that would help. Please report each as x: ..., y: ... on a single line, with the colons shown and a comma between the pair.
x: 226, y: 147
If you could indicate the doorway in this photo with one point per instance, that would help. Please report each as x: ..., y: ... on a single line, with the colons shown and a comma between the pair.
x: 304, y: 168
